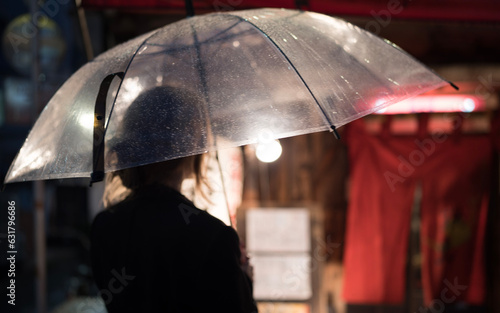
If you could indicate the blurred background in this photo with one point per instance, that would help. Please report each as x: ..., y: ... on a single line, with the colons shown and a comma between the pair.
x: 400, y: 215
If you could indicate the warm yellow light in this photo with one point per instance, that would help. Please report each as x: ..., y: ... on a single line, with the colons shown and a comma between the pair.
x: 268, y: 151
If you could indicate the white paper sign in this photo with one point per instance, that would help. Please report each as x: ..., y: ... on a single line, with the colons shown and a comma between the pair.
x: 278, y: 230
x: 282, y: 277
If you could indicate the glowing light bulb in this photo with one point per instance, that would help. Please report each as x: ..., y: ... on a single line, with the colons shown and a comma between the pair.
x: 269, y: 151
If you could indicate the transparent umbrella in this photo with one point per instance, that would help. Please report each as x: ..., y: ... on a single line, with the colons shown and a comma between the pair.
x: 252, y: 76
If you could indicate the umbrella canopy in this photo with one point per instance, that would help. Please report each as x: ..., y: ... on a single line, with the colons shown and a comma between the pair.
x: 240, y: 77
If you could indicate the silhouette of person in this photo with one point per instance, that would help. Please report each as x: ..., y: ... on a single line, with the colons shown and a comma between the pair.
x: 154, y: 251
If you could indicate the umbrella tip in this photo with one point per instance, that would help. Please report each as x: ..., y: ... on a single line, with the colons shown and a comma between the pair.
x: 453, y: 85
x: 334, y: 131
x: 95, y: 177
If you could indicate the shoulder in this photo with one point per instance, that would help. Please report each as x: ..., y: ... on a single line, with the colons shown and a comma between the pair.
x: 160, y: 206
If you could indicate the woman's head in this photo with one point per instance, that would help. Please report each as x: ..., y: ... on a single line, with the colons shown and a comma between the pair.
x: 162, y: 123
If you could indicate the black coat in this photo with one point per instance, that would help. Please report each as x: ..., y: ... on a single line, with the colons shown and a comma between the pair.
x: 156, y: 252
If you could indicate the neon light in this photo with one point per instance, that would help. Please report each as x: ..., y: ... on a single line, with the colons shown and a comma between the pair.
x: 436, y: 103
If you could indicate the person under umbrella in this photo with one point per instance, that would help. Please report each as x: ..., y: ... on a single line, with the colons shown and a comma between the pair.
x: 154, y: 251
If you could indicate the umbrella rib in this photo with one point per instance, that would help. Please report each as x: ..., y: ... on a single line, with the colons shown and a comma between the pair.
x: 201, y: 70
x: 332, y: 126
x: 210, y: 134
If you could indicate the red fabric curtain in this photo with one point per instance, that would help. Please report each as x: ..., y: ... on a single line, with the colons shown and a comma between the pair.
x: 454, y: 174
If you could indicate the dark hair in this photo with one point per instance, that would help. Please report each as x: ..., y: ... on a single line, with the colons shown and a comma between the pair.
x: 159, y: 127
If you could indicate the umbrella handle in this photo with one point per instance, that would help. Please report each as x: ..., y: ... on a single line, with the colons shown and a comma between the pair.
x: 97, y: 174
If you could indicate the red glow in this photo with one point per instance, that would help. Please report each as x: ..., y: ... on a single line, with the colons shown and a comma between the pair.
x: 437, y: 103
